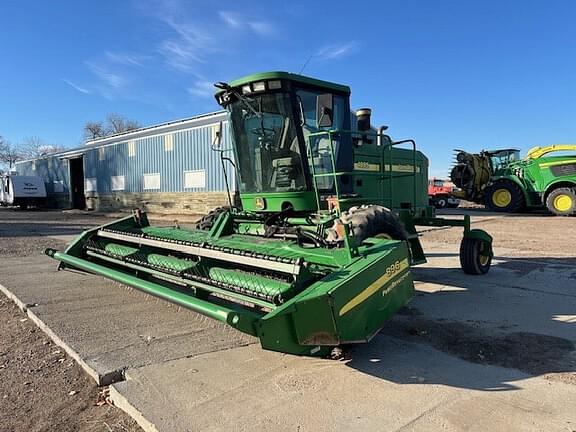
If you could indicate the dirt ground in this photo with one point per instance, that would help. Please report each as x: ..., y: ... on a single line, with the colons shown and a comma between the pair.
x: 41, y: 389
x: 534, y: 234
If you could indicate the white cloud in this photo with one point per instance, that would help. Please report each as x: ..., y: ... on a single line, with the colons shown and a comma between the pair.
x: 202, y: 89
x: 110, y: 79
x: 335, y: 51
x: 188, y: 48
x: 76, y: 87
x: 126, y: 59
x: 231, y: 19
x: 242, y: 22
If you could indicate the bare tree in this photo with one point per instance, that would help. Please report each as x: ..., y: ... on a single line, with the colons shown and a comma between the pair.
x: 34, y: 147
x: 9, y: 154
x: 93, y: 130
x: 115, y: 123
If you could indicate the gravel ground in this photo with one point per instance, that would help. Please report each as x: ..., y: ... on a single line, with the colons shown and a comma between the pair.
x: 41, y: 388
x: 530, y: 234
x: 53, y: 393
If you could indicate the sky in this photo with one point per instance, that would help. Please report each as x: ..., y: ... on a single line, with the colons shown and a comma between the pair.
x: 450, y: 74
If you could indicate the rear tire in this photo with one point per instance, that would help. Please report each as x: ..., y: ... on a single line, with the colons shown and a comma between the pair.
x: 562, y: 201
x: 375, y: 221
x: 505, y: 196
x: 206, y: 222
x: 475, y: 256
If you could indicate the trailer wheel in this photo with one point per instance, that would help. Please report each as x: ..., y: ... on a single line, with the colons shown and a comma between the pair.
x: 505, y: 196
x: 206, y: 222
x: 475, y: 256
x: 562, y: 201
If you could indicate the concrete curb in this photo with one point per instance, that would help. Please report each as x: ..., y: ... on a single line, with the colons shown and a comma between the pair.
x: 101, y: 379
x: 121, y: 402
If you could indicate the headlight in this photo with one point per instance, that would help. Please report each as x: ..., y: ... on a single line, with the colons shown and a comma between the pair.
x: 274, y: 85
x: 259, y: 86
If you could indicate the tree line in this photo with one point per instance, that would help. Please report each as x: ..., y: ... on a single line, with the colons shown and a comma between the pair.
x: 29, y: 148
x: 34, y: 147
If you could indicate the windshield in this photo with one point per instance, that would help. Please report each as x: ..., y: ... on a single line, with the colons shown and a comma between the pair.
x: 267, y: 147
x: 501, y: 159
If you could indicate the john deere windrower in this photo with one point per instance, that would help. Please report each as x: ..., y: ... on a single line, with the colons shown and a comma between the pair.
x: 318, y: 253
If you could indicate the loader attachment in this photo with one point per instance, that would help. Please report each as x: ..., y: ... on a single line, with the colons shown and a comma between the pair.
x: 296, y: 298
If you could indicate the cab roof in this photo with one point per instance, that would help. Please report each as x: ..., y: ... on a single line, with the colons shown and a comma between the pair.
x: 288, y: 76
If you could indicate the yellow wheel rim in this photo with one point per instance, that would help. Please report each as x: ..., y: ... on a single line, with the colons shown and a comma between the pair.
x: 562, y: 202
x: 484, y: 259
x: 501, y: 197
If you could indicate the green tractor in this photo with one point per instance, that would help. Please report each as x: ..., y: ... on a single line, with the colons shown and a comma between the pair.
x: 318, y: 254
x: 503, y: 182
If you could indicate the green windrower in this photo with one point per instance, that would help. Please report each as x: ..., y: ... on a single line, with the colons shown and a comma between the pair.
x: 317, y: 252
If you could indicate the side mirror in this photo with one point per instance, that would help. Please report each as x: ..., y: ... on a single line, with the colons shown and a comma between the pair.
x: 217, y: 135
x: 324, y: 110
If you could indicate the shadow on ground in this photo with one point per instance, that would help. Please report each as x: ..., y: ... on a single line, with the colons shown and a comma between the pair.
x: 516, y: 354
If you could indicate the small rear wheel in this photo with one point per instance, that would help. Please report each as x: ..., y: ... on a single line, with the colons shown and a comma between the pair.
x: 562, y: 201
x: 475, y: 256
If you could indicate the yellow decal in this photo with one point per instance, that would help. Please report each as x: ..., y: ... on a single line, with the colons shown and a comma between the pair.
x: 366, y: 166
x: 402, y: 168
x: 391, y: 272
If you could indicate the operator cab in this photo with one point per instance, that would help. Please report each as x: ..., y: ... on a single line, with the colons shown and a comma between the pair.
x: 501, y: 158
x: 278, y: 120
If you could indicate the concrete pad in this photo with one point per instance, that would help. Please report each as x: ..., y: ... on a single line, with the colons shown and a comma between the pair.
x: 185, y: 372
x: 389, y: 385
x: 108, y: 327
x: 531, y: 294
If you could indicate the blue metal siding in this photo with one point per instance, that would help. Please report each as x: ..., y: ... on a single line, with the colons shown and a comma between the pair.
x: 50, y: 169
x: 192, y: 150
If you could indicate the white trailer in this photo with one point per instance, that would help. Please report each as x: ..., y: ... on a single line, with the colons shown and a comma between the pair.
x: 22, y: 191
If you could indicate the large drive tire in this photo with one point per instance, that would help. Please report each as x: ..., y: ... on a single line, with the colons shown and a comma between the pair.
x: 475, y: 256
x: 505, y: 196
x: 562, y: 201
x: 375, y: 221
x: 206, y: 222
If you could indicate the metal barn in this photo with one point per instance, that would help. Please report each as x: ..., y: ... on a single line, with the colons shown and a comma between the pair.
x: 167, y: 168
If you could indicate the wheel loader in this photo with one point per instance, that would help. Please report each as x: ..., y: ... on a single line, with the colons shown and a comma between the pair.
x: 504, y: 182
x: 318, y: 252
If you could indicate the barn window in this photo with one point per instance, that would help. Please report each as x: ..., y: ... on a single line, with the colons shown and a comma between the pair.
x: 117, y: 183
x: 194, y: 179
x: 152, y: 181
x: 90, y: 185
x: 131, y: 148
x: 168, y: 142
